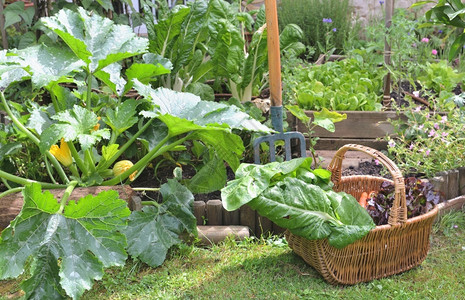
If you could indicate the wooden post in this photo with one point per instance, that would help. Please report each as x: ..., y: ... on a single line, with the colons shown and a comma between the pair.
x: 214, y: 212
x: 440, y: 184
x: 453, y: 183
x: 389, y: 9
x: 231, y: 217
x: 263, y: 226
x: 200, y: 211
x: 462, y: 181
x: 247, y: 217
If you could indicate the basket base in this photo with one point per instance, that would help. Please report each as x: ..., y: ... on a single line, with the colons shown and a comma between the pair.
x: 384, y: 251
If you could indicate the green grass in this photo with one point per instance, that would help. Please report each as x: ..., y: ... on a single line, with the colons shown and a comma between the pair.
x: 268, y: 269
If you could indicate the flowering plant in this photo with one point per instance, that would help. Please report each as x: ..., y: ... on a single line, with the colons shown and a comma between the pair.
x: 425, y: 142
x: 95, y: 124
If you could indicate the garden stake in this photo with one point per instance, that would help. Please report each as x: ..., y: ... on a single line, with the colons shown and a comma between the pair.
x: 276, y: 110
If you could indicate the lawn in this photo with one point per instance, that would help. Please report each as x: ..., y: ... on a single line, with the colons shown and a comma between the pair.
x: 268, y: 269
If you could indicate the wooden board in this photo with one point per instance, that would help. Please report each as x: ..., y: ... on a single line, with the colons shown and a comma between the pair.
x: 358, y: 125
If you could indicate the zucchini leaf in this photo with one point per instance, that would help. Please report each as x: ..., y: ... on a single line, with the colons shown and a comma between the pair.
x: 94, y: 39
x: 154, y: 230
x: 70, y: 249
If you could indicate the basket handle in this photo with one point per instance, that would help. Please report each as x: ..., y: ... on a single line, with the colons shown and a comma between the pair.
x: 398, y: 213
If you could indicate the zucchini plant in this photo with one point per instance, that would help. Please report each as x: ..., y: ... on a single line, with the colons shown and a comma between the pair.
x: 83, y: 134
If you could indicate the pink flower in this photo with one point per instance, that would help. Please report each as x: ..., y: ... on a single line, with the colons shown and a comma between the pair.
x: 436, y: 126
x: 411, y: 146
x: 443, y: 119
x: 434, y: 52
x: 376, y: 162
x: 391, y: 143
x: 421, y: 127
x: 444, y: 134
x: 425, y: 40
x: 432, y: 133
x: 427, y: 152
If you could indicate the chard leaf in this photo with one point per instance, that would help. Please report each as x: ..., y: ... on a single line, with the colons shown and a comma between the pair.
x: 167, y: 30
x: 313, y: 213
x: 154, y: 230
x: 122, y: 117
x: 84, y: 238
x: 252, y: 180
x: 77, y: 123
x: 183, y: 112
x: 94, y: 39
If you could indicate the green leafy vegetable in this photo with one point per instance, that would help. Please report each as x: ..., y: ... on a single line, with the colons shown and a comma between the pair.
x: 294, y: 197
x: 155, y: 229
x: 70, y: 247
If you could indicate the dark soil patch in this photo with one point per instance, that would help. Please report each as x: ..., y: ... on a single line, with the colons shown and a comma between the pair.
x: 371, y: 168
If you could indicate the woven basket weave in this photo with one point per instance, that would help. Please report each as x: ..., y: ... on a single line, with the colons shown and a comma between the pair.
x: 386, y: 249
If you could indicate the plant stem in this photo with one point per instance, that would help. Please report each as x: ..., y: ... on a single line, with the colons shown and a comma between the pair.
x: 24, y: 181
x: 78, y: 159
x: 145, y: 189
x: 11, y: 191
x: 89, y: 91
x: 74, y: 171
x: 68, y: 191
x: 153, y: 203
x: 49, y: 170
x: 5, y: 182
x: 109, y: 162
x: 34, y: 139
x: 141, y: 163
x: 90, y: 160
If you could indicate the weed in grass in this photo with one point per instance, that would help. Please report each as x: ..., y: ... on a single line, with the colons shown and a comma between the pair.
x: 450, y: 223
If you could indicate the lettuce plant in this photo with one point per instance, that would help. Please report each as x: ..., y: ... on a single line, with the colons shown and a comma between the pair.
x: 85, y: 131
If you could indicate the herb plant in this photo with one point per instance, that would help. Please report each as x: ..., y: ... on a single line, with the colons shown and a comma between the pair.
x: 295, y: 197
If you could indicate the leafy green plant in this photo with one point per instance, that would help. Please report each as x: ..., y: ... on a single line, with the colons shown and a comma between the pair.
x: 324, y: 119
x: 427, y: 142
x: 343, y: 85
x: 440, y: 77
x: 95, y: 124
x: 300, y: 199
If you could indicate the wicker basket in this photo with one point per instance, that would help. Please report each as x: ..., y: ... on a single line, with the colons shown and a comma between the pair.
x: 385, y: 250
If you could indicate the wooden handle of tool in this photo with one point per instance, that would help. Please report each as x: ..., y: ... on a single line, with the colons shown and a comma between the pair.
x: 274, y: 59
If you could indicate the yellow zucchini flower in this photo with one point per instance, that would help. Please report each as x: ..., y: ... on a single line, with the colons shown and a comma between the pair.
x: 123, y: 165
x: 62, y: 153
x: 96, y: 126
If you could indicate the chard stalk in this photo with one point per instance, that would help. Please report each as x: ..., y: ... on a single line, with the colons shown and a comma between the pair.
x: 33, y: 138
x: 68, y: 191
